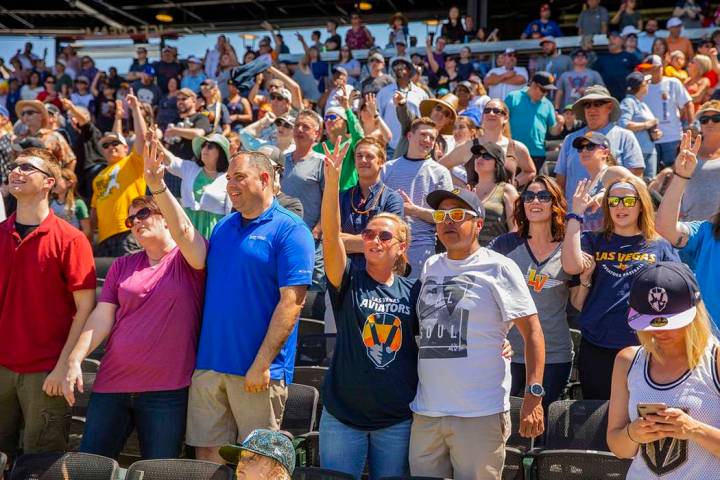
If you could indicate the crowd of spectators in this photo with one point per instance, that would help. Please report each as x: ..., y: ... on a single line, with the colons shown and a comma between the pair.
x: 436, y: 201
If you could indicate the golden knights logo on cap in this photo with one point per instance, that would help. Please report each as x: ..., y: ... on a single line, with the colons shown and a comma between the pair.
x: 455, y: 191
x: 658, y: 322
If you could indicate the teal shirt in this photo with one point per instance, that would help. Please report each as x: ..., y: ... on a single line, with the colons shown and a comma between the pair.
x: 530, y: 121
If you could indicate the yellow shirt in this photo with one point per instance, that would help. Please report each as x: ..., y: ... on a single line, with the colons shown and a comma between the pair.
x: 114, y: 189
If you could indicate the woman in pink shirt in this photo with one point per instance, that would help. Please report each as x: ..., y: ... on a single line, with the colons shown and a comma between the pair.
x: 149, y: 311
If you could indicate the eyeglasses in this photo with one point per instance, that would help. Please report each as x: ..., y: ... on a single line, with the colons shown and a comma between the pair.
x: 209, y: 145
x: 589, y: 146
x: 596, y: 103
x: 705, y: 119
x: 112, y: 144
x: 29, y: 113
x: 142, y: 214
x: 628, y: 202
x: 494, y: 111
x: 331, y: 118
x: 456, y: 215
x: 543, y: 196
x: 26, y: 168
x: 369, y: 235
x: 439, y: 108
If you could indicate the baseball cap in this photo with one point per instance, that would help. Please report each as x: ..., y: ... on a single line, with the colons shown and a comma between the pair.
x: 194, y: 59
x: 509, y: 50
x: 547, y: 39
x: 545, y: 80
x: 148, y: 70
x: 578, y: 52
x: 209, y: 82
x: 404, y: 60
x: 114, y: 137
x: 264, y: 442
x: 82, y: 78
x: 466, y: 84
x: 613, y: 33
x: 629, y: 30
x: 653, y: 61
x: 663, y: 296
x: 274, y: 154
x: 470, y: 199
x: 336, y: 111
x: 593, y: 137
x: 474, y: 114
x: 635, y: 80
x: 674, y: 22
x: 285, y: 93
x: 342, y: 70
x: 376, y: 56
x: 285, y: 118
x: 187, y: 92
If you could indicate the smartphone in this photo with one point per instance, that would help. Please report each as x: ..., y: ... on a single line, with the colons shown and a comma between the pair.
x: 645, y: 409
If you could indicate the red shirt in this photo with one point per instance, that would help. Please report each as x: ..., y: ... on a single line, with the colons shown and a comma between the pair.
x: 38, y: 275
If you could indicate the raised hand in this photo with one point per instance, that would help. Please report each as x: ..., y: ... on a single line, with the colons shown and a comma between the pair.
x: 686, y: 161
x: 119, y: 109
x: 132, y: 100
x: 398, y: 98
x: 66, y: 104
x: 342, y: 99
x: 371, y: 103
x: 154, y: 168
x: 334, y: 160
x: 581, y: 198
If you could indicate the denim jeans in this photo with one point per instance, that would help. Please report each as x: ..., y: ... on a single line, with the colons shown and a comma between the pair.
x: 345, y: 449
x: 651, y: 164
x: 554, y: 381
x: 666, y: 153
x: 159, y: 417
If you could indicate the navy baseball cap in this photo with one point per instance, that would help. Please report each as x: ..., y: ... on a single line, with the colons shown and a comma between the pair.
x: 593, y: 137
x: 470, y: 199
x: 545, y: 80
x: 663, y: 296
x: 635, y: 80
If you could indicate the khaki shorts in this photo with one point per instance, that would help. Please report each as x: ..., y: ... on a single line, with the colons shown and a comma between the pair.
x: 220, y: 411
x: 44, y: 420
x: 458, y: 447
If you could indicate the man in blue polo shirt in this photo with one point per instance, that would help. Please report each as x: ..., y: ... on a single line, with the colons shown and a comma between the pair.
x: 259, y: 266
x: 532, y: 115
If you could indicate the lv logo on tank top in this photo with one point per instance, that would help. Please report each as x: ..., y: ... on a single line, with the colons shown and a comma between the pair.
x: 664, y: 456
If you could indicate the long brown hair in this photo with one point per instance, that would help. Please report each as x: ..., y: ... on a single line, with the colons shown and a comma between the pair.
x: 558, y: 206
x: 403, y: 231
x: 646, y: 220
x: 69, y: 176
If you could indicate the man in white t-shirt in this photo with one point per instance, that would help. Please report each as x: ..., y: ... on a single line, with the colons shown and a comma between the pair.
x: 470, y: 298
x: 669, y: 102
x: 507, y: 77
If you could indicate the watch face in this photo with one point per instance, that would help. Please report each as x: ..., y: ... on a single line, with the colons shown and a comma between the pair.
x: 536, y: 389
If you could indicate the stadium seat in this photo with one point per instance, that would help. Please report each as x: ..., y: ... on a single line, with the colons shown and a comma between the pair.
x: 178, y: 469
x: 579, y: 464
x: 515, y: 440
x: 315, y: 350
x: 311, y: 473
x: 64, y: 466
x: 307, y: 450
x: 312, y: 376
x: 300, y: 409
x: 309, y: 326
x: 77, y: 428
x: 314, y: 306
x: 514, y: 468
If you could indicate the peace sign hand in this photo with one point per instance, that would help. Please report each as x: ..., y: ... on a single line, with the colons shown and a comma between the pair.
x: 686, y: 160
x: 581, y: 198
x: 333, y: 160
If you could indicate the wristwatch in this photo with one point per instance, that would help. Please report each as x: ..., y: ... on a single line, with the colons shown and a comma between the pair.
x: 536, y: 390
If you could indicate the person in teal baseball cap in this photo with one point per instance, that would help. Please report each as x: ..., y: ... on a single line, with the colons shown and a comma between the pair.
x: 263, y: 455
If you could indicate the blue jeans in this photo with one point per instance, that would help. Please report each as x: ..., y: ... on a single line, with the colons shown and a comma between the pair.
x: 651, y: 164
x: 666, y: 153
x: 554, y: 380
x: 345, y: 449
x: 159, y: 417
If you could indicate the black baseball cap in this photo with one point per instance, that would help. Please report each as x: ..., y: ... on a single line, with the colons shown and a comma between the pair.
x: 663, y: 296
x: 546, y: 80
x: 635, y: 80
x: 470, y: 199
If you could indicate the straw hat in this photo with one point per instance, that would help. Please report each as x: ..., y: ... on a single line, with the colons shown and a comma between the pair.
x: 596, y: 92
x: 35, y: 105
x: 449, y: 101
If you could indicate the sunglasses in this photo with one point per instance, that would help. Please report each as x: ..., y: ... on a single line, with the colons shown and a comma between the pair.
x: 484, y: 156
x: 209, y: 145
x: 29, y: 113
x: 26, y: 168
x: 443, y: 110
x: 494, y: 111
x: 596, y: 103
x: 369, y: 235
x: 112, y: 144
x: 276, y: 97
x: 705, y: 119
x: 628, y: 202
x: 543, y: 196
x: 283, y: 123
x: 589, y: 146
x: 331, y: 118
x: 51, y: 82
x: 456, y: 215
x: 142, y: 214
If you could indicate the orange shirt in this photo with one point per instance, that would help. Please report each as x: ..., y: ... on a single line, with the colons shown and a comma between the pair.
x: 682, y: 44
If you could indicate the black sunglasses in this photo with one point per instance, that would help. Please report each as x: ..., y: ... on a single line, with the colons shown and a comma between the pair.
x: 209, y: 145
x: 589, y: 146
x: 596, y: 103
x: 276, y: 97
x: 495, y: 111
x: 705, y: 119
x: 283, y: 123
x: 543, y: 196
x: 107, y: 145
x: 141, y: 214
x: 26, y: 168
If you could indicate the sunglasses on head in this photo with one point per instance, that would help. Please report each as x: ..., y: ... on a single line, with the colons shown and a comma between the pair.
x: 111, y: 144
x: 543, y: 196
x: 705, y: 119
x: 28, y: 113
x: 369, y: 235
x: 456, y: 215
x: 596, y: 103
x: 331, y: 117
x: 26, y: 168
x: 141, y: 214
x: 589, y: 146
x: 494, y: 111
x: 628, y: 202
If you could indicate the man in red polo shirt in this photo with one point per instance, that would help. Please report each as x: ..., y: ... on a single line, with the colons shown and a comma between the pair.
x: 47, y: 291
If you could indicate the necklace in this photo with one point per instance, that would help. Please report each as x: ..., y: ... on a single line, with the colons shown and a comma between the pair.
x: 374, y: 203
